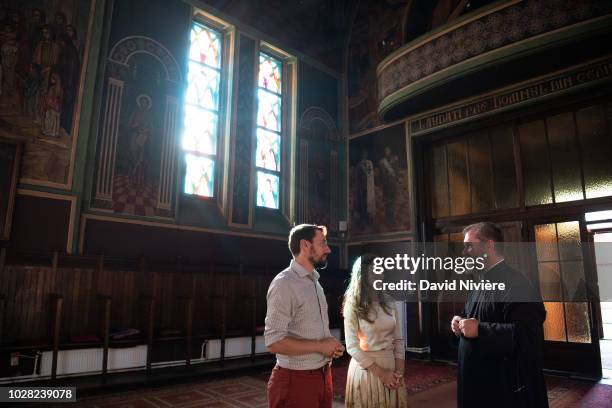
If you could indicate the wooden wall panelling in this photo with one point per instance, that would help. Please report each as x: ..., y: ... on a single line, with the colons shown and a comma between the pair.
x: 44, y: 286
x: 188, y: 304
x: 14, y: 298
x: 38, y: 301
x: 2, y: 309
x: 150, y: 321
x: 2, y: 290
x: 168, y: 312
x: 57, y: 303
x: 26, y: 308
x: 106, y: 308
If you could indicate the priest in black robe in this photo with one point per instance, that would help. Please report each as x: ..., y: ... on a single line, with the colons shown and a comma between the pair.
x: 501, y: 336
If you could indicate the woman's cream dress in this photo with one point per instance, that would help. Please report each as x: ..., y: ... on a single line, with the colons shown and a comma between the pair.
x: 378, y: 342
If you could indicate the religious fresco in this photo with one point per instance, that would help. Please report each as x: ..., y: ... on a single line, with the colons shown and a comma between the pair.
x: 379, y: 187
x: 137, y: 155
x: 42, y: 51
x: 319, y: 167
x: 377, y: 31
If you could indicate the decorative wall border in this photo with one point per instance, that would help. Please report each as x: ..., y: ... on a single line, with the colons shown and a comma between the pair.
x: 530, y: 91
x: 73, y: 210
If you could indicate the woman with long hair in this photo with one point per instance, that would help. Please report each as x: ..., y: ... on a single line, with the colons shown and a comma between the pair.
x: 374, y: 341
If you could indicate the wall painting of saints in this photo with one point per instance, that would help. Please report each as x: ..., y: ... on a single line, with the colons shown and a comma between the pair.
x: 42, y: 52
x: 379, y: 186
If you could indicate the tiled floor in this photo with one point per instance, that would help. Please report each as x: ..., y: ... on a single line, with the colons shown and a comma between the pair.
x: 240, y: 392
x: 249, y: 391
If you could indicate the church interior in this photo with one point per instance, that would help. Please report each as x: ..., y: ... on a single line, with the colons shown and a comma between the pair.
x: 155, y: 155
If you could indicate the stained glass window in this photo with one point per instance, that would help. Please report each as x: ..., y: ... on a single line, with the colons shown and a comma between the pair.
x: 205, y: 46
x: 201, y: 120
x: 269, y: 131
x: 269, y: 73
x: 203, y: 86
x: 268, y: 112
x: 267, y: 190
x: 200, y: 175
x: 200, y: 128
x: 268, y: 153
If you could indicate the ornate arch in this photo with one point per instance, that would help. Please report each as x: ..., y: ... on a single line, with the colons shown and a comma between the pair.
x: 313, y: 114
x: 125, y: 48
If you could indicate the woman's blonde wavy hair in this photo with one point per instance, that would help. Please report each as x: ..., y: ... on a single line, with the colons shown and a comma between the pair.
x: 357, y: 296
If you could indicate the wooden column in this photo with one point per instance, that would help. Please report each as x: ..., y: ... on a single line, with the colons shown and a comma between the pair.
x: 253, y: 307
x: 57, y: 304
x: 150, y: 313
x: 188, y: 329
x: 106, y: 312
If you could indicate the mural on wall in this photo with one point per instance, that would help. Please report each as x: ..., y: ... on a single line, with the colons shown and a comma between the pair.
x: 136, y: 168
x: 319, y: 145
x: 42, y: 50
x: 141, y: 116
x: 378, y: 30
x: 379, y: 186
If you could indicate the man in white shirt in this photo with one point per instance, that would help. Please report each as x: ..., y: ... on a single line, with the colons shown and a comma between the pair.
x: 297, y: 326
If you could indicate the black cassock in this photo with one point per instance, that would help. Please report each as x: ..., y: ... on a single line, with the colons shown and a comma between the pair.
x: 503, y: 366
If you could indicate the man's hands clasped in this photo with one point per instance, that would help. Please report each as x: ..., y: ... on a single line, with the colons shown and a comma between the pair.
x: 330, y: 347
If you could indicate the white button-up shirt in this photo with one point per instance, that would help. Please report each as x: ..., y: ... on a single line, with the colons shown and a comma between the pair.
x: 296, y: 307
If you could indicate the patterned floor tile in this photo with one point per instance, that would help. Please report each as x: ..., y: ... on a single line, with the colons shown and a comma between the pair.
x: 182, y: 397
x: 137, y: 403
x: 255, y: 399
x: 230, y: 389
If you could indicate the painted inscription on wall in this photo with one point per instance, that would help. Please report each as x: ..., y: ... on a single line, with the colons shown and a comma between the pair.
x: 559, y: 83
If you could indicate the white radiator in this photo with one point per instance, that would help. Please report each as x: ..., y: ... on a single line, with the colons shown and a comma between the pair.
x: 241, y: 346
x: 131, y: 357
x: 234, y: 347
x: 80, y: 361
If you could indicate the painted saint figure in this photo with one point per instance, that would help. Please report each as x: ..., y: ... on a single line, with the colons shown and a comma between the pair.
x: 140, y: 126
x: 389, y: 168
x: 53, y: 104
x: 365, y: 197
x: 69, y: 70
x: 46, y: 56
x: 8, y: 55
x: 31, y: 90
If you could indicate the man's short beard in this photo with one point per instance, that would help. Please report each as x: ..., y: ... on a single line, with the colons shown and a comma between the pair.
x: 321, y: 264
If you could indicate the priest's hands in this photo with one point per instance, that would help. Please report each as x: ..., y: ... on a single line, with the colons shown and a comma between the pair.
x: 455, y: 325
x: 467, y: 328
